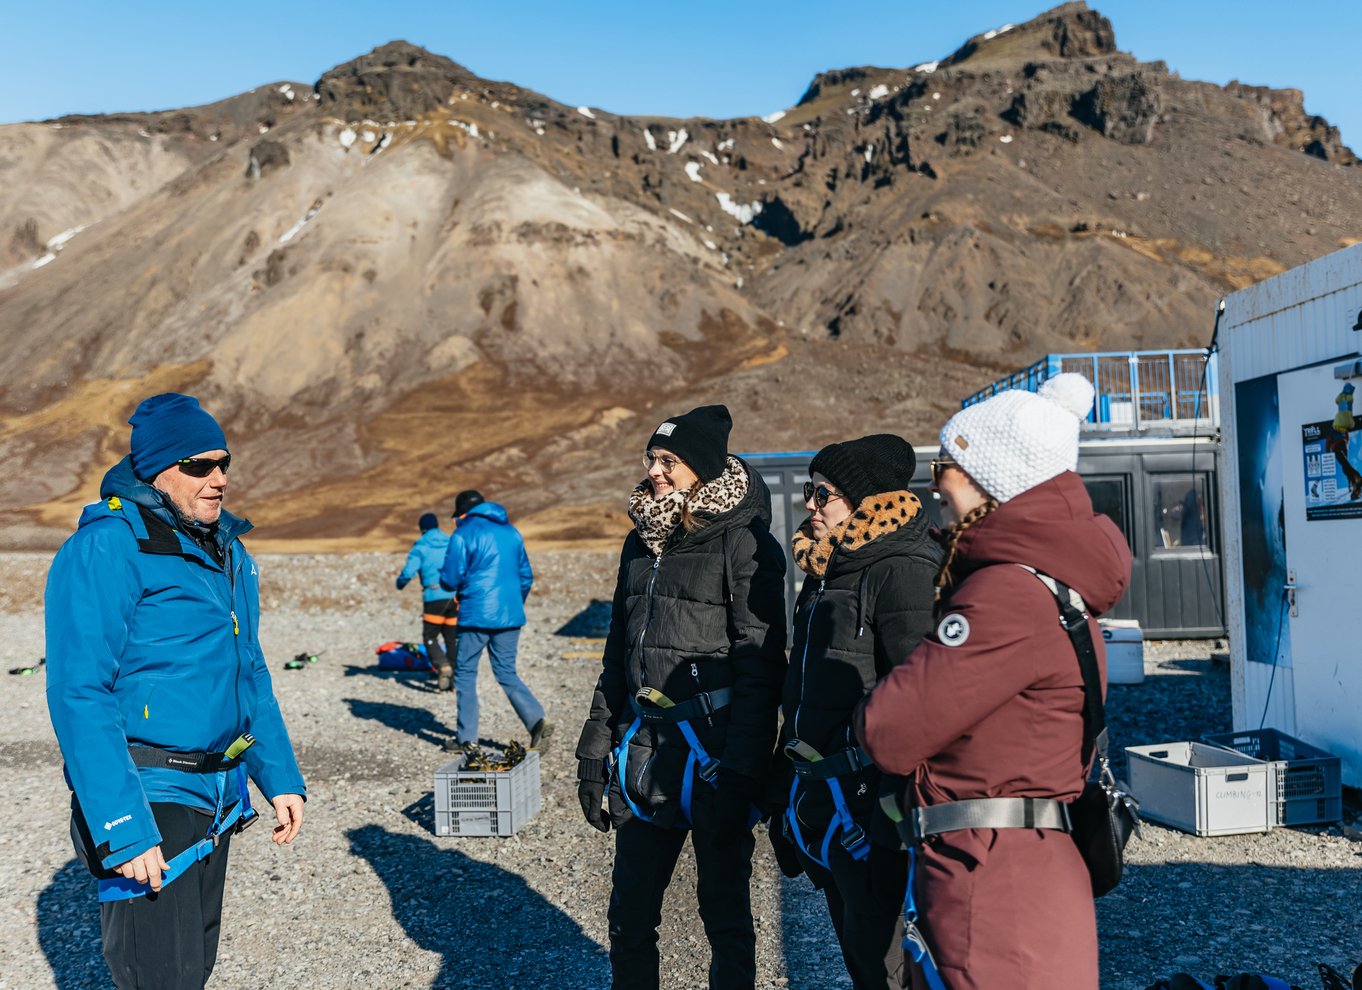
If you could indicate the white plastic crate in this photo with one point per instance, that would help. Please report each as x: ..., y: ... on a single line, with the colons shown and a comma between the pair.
x: 1203, y: 789
x: 1125, y: 650
x: 486, y: 802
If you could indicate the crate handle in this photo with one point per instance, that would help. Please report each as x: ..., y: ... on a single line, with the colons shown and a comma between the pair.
x: 1161, y: 754
x: 1237, y: 776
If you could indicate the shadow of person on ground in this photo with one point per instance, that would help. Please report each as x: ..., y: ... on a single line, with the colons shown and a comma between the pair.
x: 416, y: 722
x: 68, y: 929
x: 490, y: 927
x: 808, y: 943
x: 416, y: 680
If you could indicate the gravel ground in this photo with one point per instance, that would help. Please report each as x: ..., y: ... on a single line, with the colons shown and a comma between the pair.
x: 368, y: 897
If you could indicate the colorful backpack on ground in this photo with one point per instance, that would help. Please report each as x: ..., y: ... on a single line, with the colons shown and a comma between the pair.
x: 403, y: 656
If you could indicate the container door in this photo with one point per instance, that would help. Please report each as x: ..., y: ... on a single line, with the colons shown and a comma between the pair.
x: 1322, y: 474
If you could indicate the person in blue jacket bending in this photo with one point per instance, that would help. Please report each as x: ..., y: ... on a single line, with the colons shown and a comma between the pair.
x: 160, y: 697
x: 487, y: 569
x: 440, y: 615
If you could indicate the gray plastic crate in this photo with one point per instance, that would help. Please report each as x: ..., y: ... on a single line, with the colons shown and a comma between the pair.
x: 486, y: 802
x: 1309, y: 779
x: 1202, y: 789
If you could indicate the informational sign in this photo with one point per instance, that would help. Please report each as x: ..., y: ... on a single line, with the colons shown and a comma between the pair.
x: 1333, y: 472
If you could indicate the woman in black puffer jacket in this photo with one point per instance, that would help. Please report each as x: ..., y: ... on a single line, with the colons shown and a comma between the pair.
x: 684, y: 716
x: 866, y: 602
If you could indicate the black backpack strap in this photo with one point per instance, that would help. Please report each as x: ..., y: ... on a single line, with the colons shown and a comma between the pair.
x: 1073, y: 616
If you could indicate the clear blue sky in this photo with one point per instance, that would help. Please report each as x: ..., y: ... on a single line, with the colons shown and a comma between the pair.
x: 697, y: 58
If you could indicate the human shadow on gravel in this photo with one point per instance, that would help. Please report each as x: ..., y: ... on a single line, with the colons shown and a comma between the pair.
x: 68, y: 929
x: 416, y: 680
x: 1204, y: 919
x: 489, y: 926
x: 808, y: 942
x: 417, y: 722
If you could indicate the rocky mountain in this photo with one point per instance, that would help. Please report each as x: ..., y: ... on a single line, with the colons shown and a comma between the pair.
x: 405, y: 279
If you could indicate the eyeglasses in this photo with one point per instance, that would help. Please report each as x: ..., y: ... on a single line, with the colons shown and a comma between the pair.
x: 821, y: 494
x: 667, y: 461
x: 202, y: 467
x: 939, y: 465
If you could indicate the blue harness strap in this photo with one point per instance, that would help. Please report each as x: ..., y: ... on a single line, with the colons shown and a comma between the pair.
x: 853, y: 838
x: 914, y: 942
x: 698, y: 761
x: 238, y: 816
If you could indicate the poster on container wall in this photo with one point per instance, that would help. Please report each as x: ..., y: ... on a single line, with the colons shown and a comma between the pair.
x: 1333, y: 463
x: 1263, y: 523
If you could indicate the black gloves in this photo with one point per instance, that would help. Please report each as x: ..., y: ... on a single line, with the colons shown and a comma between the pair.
x: 591, y: 792
x: 733, y: 807
x: 787, y: 858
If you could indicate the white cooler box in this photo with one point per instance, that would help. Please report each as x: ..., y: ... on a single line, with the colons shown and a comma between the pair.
x: 1125, y: 650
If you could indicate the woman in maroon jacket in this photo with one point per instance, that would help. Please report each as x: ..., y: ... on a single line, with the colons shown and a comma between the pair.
x: 991, y: 704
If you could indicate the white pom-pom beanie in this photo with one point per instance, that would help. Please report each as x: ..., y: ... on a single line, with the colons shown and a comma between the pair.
x: 1015, y: 440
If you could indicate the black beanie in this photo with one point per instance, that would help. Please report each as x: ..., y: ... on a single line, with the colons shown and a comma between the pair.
x: 428, y: 521
x: 860, y: 468
x: 466, y: 500
x: 700, y: 438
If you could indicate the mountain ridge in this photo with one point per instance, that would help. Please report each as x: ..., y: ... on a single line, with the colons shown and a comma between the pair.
x: 404, y: 271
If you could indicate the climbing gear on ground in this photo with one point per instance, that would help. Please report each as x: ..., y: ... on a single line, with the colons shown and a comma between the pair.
x: 239, y: 816
x: 475, y: 758
x: 655, y: 708
x: 809, y: 764
x: 403, y: 656
x: 30, y: 669
x: 302, y: 660
x: 1105, y: 815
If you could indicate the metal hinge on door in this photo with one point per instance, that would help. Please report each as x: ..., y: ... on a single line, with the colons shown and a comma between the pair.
x: 1290, y: 589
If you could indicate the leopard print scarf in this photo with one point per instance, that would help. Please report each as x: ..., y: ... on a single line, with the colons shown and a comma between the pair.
x: 657, y: 519
x: 874, y: 517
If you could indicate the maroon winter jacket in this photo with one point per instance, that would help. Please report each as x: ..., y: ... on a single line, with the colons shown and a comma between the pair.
x: 991, y: 705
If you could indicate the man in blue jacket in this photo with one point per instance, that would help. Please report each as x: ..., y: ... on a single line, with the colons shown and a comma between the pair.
x: 440, y: 615
x: 487, y: 568
x: 160, y: 697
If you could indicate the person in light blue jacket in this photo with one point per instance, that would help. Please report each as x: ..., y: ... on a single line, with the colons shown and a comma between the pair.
x: 440, y: 613
x: 160, y: 697
x: 487, y: 568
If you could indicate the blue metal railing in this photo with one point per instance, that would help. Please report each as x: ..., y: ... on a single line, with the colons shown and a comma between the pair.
x: 1135, y: 389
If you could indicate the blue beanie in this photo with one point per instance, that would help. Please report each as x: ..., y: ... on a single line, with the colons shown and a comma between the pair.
x: 429, y: 521
x: 168, y: 427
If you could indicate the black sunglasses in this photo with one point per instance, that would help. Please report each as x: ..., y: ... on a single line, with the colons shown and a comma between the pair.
x: 939, y: 465
x: 821, y: 494
x: 202, y: 467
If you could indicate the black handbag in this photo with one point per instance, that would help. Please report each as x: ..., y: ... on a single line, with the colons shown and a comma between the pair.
x: 1105, y: 815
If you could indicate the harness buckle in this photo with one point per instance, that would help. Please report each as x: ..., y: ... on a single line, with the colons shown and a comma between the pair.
x: 852, y: 837
x: 706, y: 769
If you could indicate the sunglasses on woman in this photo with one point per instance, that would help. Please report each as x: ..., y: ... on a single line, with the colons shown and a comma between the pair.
x: 821, y: 494
x: 202, y: 467
x: 666, y: 460
x: 939, y: 465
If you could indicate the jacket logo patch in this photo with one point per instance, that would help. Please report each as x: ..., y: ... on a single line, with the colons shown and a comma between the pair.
x: 953, y: 629
x: 108, y: 826
x: 254, y: 572
x: 665, y: 430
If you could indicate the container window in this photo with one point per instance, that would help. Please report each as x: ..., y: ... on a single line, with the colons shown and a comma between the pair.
x: 1111, y: 497
x: 1181, y: 514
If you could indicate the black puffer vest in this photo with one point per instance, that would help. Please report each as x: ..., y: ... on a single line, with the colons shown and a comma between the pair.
x: 851, y: 627
x: 707, y: 614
